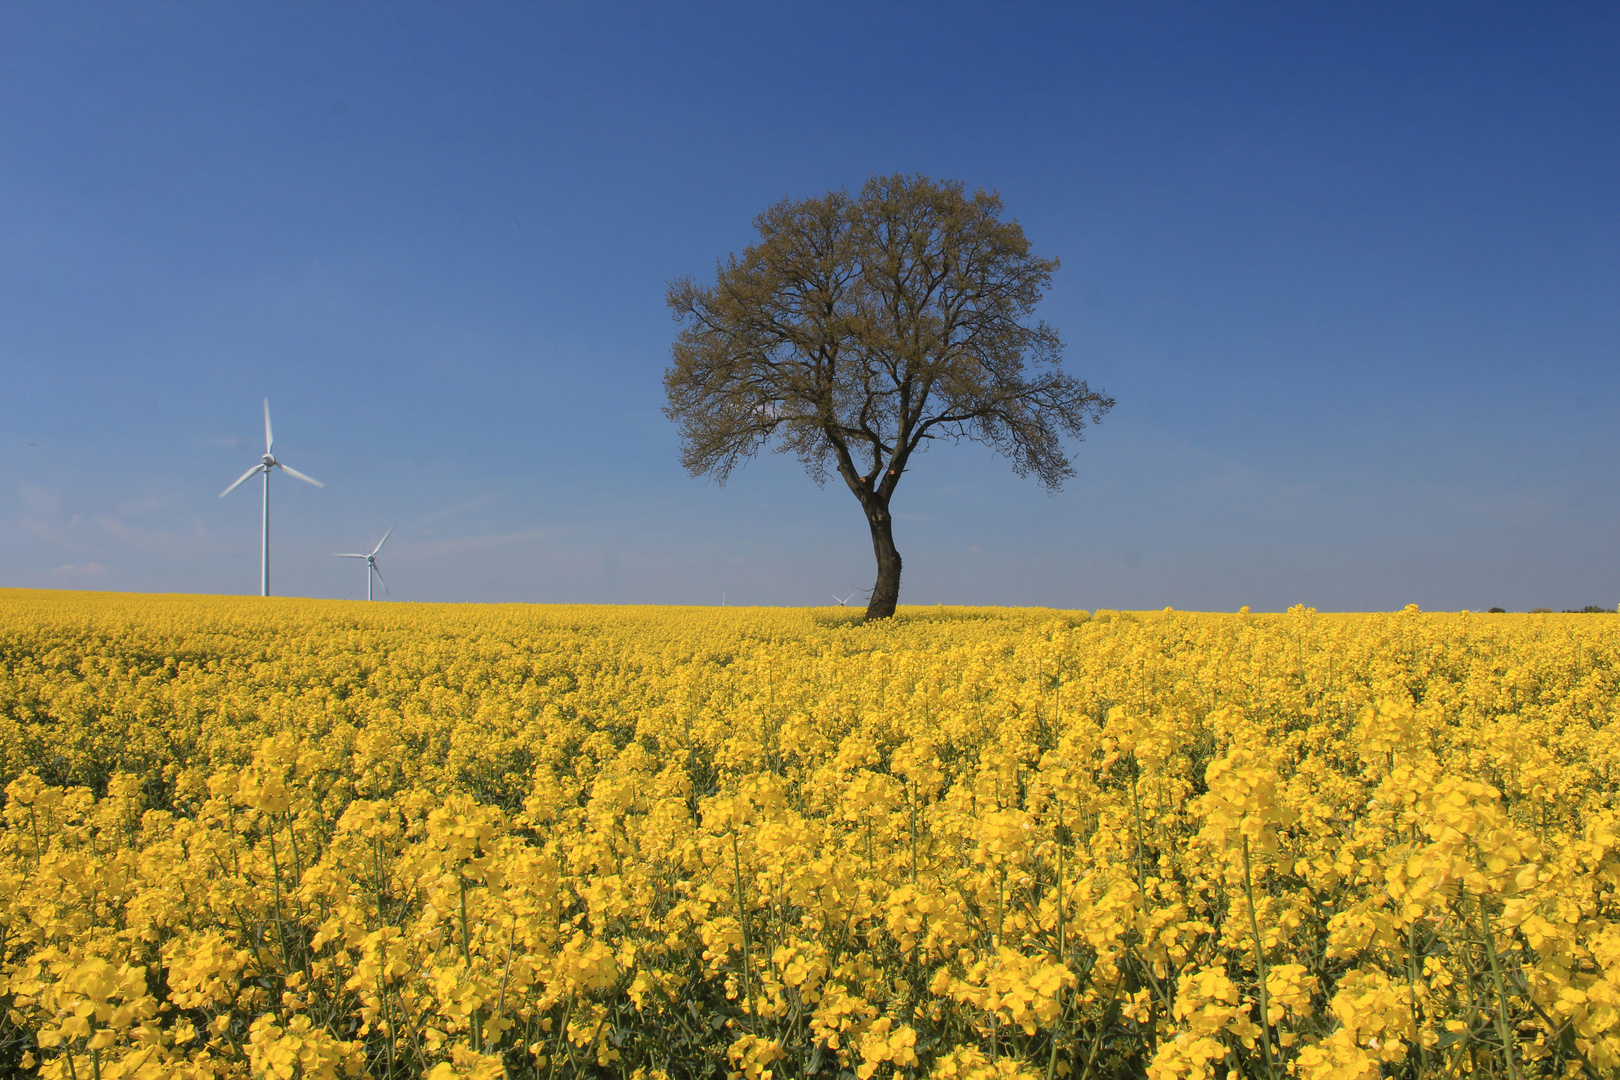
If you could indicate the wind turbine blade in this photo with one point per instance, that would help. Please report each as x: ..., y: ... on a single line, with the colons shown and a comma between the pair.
x: 380, y: 578
x: 239, y: 480
x: 383, y: 541
x: 290, y: 471
x: 269, y: 439
x: 348, y: 555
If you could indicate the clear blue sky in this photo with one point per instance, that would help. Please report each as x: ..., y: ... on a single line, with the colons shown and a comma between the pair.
x: 1351, y: 271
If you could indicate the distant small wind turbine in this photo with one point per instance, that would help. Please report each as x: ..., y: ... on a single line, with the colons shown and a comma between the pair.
x: 845, y: 601
x: 371, y: 562
x: 265, y: 464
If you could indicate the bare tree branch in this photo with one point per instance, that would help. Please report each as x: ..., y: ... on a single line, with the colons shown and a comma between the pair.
x: 857, y: 328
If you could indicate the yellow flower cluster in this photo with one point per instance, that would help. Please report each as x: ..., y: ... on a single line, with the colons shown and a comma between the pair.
x: 290, y: 839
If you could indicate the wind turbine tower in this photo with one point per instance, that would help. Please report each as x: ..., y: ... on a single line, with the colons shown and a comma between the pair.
x: 371, y: 562
x: 265, y: 464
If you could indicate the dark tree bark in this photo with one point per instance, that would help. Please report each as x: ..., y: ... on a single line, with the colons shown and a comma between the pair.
x: 886, y: 593
x: 858, y: 330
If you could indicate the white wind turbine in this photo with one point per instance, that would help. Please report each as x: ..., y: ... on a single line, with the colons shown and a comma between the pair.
x: 265, y: 464
x: 371, y: 562
x: 845, y: 601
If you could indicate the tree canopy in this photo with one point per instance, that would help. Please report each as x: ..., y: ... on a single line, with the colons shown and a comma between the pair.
x: 858, y: 329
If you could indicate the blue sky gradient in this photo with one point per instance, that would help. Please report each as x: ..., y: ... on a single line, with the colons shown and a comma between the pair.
x: 1352, y: 273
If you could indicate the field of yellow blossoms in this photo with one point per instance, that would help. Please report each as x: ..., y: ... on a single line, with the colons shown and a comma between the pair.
x: 284, y: 839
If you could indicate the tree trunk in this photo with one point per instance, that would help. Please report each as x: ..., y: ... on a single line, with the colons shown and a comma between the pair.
x: 886, y: 593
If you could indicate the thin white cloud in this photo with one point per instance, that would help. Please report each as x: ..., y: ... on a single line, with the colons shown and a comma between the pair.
x: 70, y: 572
x: 463, y: 507
x: 60, y: 535
x: 40, y: 500
x: 148, y: 504
x: 460, y: 545
x: 152, y: 541
x: 42, y: 531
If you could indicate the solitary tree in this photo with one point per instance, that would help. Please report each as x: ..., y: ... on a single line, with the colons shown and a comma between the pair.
x: 857, y: 330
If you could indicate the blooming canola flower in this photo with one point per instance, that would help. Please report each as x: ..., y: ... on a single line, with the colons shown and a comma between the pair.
x: 278, y: 838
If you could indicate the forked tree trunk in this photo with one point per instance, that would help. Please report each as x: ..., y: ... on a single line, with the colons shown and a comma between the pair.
x: 886, y: 593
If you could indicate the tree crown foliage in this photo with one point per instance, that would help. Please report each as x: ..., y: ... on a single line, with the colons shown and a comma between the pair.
x: 857, y: 329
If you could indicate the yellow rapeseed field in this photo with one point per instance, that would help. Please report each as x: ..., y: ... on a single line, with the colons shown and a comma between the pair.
x: 278, y: 838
